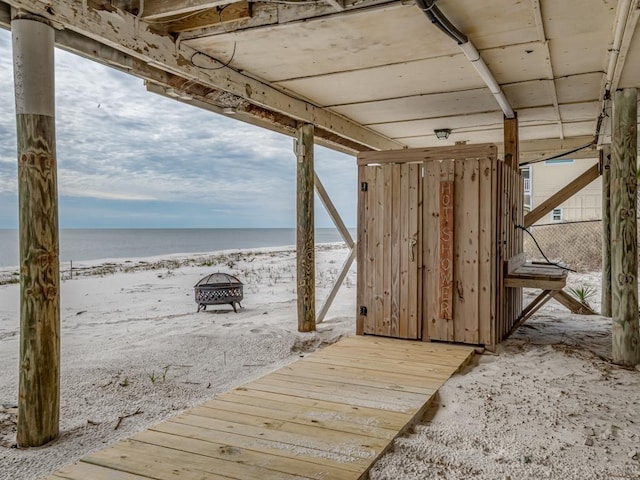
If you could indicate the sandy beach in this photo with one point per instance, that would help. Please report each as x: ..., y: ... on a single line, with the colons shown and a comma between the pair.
x: 547, y: 404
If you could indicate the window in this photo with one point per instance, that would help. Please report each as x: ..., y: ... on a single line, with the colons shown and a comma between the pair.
x: 557, y: 161
x: 526, y: 179
x: 556, y: 215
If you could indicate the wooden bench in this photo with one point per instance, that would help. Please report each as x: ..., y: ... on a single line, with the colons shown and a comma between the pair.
x: 551, y: 279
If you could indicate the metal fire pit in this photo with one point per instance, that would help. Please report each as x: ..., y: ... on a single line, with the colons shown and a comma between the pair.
x: 218, y: 289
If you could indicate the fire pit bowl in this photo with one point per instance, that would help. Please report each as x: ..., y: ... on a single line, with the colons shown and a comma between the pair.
x: 218, y: 289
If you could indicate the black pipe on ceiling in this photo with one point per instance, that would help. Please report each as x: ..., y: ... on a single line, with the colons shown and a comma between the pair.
x: 435, y: 16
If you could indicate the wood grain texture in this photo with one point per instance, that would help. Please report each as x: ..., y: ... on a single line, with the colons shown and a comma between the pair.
x: 395, y: 266
x: 605, y: 298
x: 305, y: 239
x: 425, y: 155
x: 445, y: 263
x: 469, y: 279
x: 430, y: 251
x: 39, y: 379
x: 362, y: 292
x: 485, y: 247
x: 414, y: 237
x: 330, y: 415
x: 204, y: 18
x: 390, y: 285
x: 386, y: 207
x: 624, y: 243
x: 377, y: 320
x: 511, y: 143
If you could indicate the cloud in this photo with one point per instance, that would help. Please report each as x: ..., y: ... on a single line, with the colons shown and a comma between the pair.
x: 127, y: 153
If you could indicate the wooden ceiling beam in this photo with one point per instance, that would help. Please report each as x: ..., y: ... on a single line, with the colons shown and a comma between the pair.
x: 542, y: 38
x: 338, y: 5
x: 273, y: 15
x: 122, y: 31
x: 185, y: 91
x: 231, y: 12
x: 154, y: 9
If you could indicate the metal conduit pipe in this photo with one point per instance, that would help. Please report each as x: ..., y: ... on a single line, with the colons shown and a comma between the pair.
x: 435, y: 16
x: 620, y: 25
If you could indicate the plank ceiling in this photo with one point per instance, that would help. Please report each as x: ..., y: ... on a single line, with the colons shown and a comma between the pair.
x: 381, y: 66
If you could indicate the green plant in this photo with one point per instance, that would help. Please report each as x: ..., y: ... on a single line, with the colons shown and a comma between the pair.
x: 125, y: 382
x: 164, y: 374
x: 152, y: 377
x: 583, y: 293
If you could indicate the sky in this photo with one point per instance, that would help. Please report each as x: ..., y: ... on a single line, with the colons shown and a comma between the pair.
x: 128, y: 158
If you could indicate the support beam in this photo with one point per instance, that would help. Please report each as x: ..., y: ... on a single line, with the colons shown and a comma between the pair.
x: 154, y: 9
x: 561, y: 196
x: 537, y: 150
x: 624, y: 229
x: 346, y: 236
x: 234, y: 12
x: 39, y: 382
x: 127, y: 34
x: 336, y: 286
x: 605, y: 298
x: 269, y: 16
x: 511, y: 152
x: 542, y: 38
x: 305, y: 239
x: 332, y: 211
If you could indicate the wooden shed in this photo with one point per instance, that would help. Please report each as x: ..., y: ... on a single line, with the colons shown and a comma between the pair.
x: 436, y: 227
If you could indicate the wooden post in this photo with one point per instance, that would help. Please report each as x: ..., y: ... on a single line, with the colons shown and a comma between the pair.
x: 624, y: 243
x: 305, y: 240
x: 605, y: 164
x: 39, y: 383
x: 511, y: 150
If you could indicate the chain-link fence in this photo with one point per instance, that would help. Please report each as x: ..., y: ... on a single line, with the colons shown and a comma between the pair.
x: 576, y: 244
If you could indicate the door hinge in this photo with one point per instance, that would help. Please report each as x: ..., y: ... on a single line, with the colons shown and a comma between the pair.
x: 363, y: 311
x: 364, y: 186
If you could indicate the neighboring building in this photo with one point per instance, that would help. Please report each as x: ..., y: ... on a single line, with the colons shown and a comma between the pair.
x: 543, y: 179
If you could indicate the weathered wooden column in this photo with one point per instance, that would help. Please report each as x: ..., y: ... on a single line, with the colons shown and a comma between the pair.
x: 305, y: 239
x: 624, y: 243
x: 605, y: 297
x: 511, y: 147
x: 39, y: 383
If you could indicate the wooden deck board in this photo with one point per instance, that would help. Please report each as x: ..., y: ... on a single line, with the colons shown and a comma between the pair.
x: 328, y: 416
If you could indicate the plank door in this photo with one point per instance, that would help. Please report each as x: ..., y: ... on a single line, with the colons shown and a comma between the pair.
x: 389, y: 255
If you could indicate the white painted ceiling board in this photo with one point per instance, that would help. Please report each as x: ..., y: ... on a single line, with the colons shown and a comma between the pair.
x: 494, y: 135
x: 580, y: 54
x: 573, y: 112
x: 420, y: 106
x: 576, y: 129
x: 566, y: 18
x: 517, y: 63
x: 534, y: 93
x: 492, y: 24
x: 414, y: 78
x: 579, y: 88
x: 456, y: 124
x: 330, y: 45
x: 462, y: 123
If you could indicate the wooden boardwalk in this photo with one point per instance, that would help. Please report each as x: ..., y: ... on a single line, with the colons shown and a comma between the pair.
x: 327, y: 416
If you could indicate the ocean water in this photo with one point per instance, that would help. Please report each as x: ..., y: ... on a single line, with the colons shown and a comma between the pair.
x: 95, y: 244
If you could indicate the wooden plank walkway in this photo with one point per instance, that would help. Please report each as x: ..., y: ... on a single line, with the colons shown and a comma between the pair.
x: 327, y: 416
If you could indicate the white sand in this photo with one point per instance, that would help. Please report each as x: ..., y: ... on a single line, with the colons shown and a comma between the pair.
x: 549, y: 405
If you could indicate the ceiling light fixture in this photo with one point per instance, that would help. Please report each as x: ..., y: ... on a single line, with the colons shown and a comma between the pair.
x: 442, y: 133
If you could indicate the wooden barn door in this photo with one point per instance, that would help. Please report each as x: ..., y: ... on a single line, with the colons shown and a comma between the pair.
x: 389, y: 252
